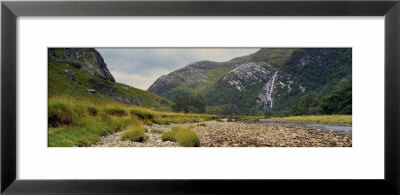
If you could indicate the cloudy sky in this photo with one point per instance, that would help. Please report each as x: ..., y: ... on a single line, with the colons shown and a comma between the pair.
x: 140, y: 67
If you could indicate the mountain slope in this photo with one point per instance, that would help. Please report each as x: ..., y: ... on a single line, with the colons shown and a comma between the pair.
x: 197, y: 77
x: 269, y: 81
x: 82, y: 74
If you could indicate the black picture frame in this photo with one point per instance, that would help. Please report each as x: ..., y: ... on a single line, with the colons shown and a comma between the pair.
x: 10, y: 10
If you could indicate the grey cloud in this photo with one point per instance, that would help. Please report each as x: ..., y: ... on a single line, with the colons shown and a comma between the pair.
x: 147, y: 61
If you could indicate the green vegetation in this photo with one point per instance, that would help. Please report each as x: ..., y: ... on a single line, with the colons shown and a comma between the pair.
x: 134, y: 133
x: 201, y: 124
x: 168, y: 136
x: 330, y: 119
x: 72, y: 124
x: 276, y: 57
x: 189, y: 103
x: 339, y: 101
x: 322, y: 85
x: 115, y: 111
x: 70, y: 77
x: 157, y: 131
x: 184, y: 136
x: 82, y: 123
x: 147, y: 122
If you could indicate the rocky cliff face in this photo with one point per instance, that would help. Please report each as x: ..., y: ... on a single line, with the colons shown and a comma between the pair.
x: 273, y: 79
x: 82, y: 73
x: 197, y: 77
x: 88, y: 60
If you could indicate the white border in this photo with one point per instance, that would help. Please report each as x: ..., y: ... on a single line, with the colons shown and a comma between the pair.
x: 363, y: 161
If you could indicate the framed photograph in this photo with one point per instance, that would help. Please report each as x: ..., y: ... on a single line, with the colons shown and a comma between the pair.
x: 200, y: 97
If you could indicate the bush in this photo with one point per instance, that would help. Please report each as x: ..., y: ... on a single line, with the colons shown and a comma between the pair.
x: 134, y: 134
x: 119, y: 123
x: 60, y: 114
x: 142, y: 114
x: 157, y: 131
x: 168, y: 136
x: 147, y: 122
x: 162, y: 121
x: 186, y: 137
x: 115, y: 111
x: 201, y: 124
x: 105, y: 117
x: 92, y: 111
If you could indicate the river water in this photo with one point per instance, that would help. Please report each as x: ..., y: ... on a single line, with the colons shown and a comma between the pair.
x: 339, y: 129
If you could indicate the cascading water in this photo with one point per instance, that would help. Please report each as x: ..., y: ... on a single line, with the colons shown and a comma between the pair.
x: 270, y: 91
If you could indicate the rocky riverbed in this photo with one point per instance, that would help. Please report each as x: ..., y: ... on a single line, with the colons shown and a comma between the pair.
x: 237, y: 134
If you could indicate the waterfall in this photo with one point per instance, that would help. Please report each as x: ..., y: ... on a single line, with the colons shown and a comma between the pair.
x: 270, y: 91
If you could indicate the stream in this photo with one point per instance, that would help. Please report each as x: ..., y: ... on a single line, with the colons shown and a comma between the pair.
x: 339, y: 129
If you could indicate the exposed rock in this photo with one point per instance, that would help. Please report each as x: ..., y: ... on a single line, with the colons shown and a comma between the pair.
x: 69, y: 74
x: 91, y: 91
x: 266, y: 97
x: 192, y: 76
x: 88, y: 59
x: 246, y: 74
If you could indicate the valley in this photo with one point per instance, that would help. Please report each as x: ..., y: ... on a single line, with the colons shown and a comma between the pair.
x: 272, y: 98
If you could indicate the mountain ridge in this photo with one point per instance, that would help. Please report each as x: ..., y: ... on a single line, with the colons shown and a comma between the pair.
x: 269, y: 80
x: 81, y: 73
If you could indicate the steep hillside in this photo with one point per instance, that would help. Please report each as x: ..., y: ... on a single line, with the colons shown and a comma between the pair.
x: 312, y: 73
x: 271, y: 81
x: 197, y: 77
x: 82, y: 74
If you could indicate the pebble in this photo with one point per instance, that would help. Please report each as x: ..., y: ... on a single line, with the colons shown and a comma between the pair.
x: 236, y: 134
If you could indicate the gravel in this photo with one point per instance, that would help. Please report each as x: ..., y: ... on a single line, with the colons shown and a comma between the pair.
x: 236, y: 134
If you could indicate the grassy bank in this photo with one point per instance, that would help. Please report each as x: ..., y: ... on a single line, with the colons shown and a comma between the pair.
x: 330, y: 119
x: 82, y: 123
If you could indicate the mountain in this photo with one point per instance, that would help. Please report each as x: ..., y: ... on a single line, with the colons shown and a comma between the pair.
x: 81, y: 73
x: 197, y: 77
x: 272, y: 81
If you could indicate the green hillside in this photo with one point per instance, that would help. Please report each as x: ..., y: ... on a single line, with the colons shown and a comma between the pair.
x: 272, y: 81
x: 81, y: 74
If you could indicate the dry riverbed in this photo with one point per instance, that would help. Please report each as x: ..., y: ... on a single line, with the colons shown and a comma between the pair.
x: 237, y: 134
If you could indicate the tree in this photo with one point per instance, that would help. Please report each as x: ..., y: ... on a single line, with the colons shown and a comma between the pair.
x: 339, y: 101
x: 189, y: 103
x: 308, y: 104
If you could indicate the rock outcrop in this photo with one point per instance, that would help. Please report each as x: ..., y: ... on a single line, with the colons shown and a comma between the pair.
x: 82, y: 73
x: 88, y: 60
x: 273, y: 79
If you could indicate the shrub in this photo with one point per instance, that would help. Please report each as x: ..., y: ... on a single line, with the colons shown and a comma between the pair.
x: 115, y: 111
x: 201, y: 124
x: 92, y: 111
x: 60, y: 114
x: 147, y: 122
x: 157, y: 131
x: 142, y: 113
x: 162, y: 121
x: 105, y: 117
x: 119, y: 123
x: 186, y: 137
x: 134, y: 134
x: 168, y: 136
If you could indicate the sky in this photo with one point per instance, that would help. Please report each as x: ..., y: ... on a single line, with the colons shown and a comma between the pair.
x: 140, y: 67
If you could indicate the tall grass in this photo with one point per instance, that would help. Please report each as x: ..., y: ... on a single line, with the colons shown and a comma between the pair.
x: 135, y: 133
x: 330, y: 119
x: 184, y: 136
x: 74, y: 122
